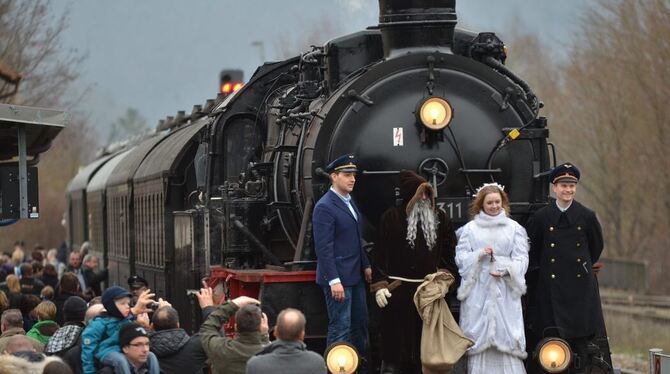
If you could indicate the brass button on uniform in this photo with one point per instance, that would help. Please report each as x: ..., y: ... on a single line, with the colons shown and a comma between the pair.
x: 579, y: 227
x: 553, y: 276
x: 579, y: 244
x: 579, y: 275
x: 552, y: 245
x: 553, y: 260
x: 579, y: 260
x: 551, y: 228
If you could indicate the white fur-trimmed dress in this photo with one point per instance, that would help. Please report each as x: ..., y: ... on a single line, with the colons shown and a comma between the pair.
x: 491, y: 306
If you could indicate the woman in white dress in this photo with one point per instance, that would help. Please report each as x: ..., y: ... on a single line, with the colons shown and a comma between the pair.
x: 492, y: 258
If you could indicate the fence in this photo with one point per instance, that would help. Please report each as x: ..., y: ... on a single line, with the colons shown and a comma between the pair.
x: 627, y: 275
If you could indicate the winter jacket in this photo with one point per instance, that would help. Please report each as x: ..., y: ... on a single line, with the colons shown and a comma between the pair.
x: 177, y: 352
x: 42, y: 331
x: 284, y: 357
x: 228, y: 356
x: 63, y: 339
x: 100, y: 337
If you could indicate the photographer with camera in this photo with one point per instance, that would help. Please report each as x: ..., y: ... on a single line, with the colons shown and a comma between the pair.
x: 100, y: 339
x: 230, y: 356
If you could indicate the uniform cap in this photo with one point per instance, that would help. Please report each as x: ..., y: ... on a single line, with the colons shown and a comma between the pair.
x: 565, y: 173
x: 345, y: 163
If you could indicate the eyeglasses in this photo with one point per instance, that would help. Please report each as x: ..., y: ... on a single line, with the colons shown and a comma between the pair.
x: 139, y: 345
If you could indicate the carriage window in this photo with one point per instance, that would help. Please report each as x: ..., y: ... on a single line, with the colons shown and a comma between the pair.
x: 241, y: 138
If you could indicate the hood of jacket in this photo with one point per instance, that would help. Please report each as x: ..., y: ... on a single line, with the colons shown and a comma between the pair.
x: 42, y: 331
x: 168, y: 342
x: 282, y: 346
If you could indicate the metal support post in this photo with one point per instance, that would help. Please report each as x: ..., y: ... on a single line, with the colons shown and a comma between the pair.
x: 23, y: 173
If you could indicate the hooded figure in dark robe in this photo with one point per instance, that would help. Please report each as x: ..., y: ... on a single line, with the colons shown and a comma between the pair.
x: 415, y: 239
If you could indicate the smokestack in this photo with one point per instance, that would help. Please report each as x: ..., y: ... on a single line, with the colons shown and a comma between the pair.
x: 417, y: 24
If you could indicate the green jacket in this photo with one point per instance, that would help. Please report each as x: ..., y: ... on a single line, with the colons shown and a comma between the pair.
x: 228, y: 356
x: 42, y: 331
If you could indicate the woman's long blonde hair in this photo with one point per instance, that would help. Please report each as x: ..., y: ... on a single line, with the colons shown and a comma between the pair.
x: 477, y: 204
x: 13, y: 284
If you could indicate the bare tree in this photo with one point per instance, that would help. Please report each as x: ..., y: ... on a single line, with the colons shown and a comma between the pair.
x: 30, y: 43
x: 615, y: 121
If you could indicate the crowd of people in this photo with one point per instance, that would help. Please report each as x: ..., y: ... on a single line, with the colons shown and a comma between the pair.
x: 55, y: 319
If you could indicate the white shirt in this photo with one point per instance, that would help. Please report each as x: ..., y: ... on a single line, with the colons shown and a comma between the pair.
x: 347, y: 202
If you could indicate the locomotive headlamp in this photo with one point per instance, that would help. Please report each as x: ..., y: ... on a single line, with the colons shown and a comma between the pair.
x: 435, y: 113
x: 553, y: 355
x: 341, y: 358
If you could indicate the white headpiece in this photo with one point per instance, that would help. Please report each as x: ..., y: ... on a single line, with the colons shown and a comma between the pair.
x: 494, y: 184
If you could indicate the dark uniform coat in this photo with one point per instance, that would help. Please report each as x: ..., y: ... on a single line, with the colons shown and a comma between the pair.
x: 564, y: 246
x: 400, y: 322
x: 337, y: 239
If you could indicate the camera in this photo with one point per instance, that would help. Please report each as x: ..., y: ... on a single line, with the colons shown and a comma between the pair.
x: 153, y: 306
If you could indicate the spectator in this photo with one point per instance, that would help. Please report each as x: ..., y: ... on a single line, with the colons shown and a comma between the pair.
x: 100, y: 339
x: 134, y: 342
x: 47, y: 293
x: 74, y: 266
x: 92, y: 277
x: 11, y: 323
x: 74, y: 312
x: 14, y: 364
x: 288, y: 354
x: 53, y: 261
x: 37, y: 255
x: 49, y: 276
x: 61, y: 253
x: 175, y: 350
x: 12, y: 287
x: 57, y: 367
x: 45, y: 327
x: 17, y: 259
x: 4, y: 302
x: 229, y: 356
x: 72, y: 355
x: 26, y: 306
x: 29, y: 284
x: 38, y: 267
x: 68, y: 286
x: 85, y: 249
x: 137, y: 285
x: 95, y: 300
x: 19, y: 343
x: 4, y: 259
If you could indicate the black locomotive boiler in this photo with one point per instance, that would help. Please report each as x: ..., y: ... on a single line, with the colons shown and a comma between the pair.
x: 227, y: 191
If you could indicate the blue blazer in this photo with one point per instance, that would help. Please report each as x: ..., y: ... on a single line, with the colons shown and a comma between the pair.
x: 337, y: 239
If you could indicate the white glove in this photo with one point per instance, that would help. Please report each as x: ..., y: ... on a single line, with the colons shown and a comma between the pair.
x: 382, y: 296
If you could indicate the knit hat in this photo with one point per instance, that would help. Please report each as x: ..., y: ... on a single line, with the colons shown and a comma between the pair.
x: 108, y: 298
x: 130, y: 331
x: 74, y: 309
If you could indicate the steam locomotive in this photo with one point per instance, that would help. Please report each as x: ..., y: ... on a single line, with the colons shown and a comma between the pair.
x: 227, y: 190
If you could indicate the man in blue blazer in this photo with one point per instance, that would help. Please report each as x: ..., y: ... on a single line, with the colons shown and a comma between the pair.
x: 341, y: 261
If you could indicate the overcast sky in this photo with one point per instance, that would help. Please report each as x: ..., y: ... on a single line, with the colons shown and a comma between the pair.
x: 161, y: 56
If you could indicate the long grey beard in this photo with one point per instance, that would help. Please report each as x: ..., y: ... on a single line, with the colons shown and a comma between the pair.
x: 422, y: 214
